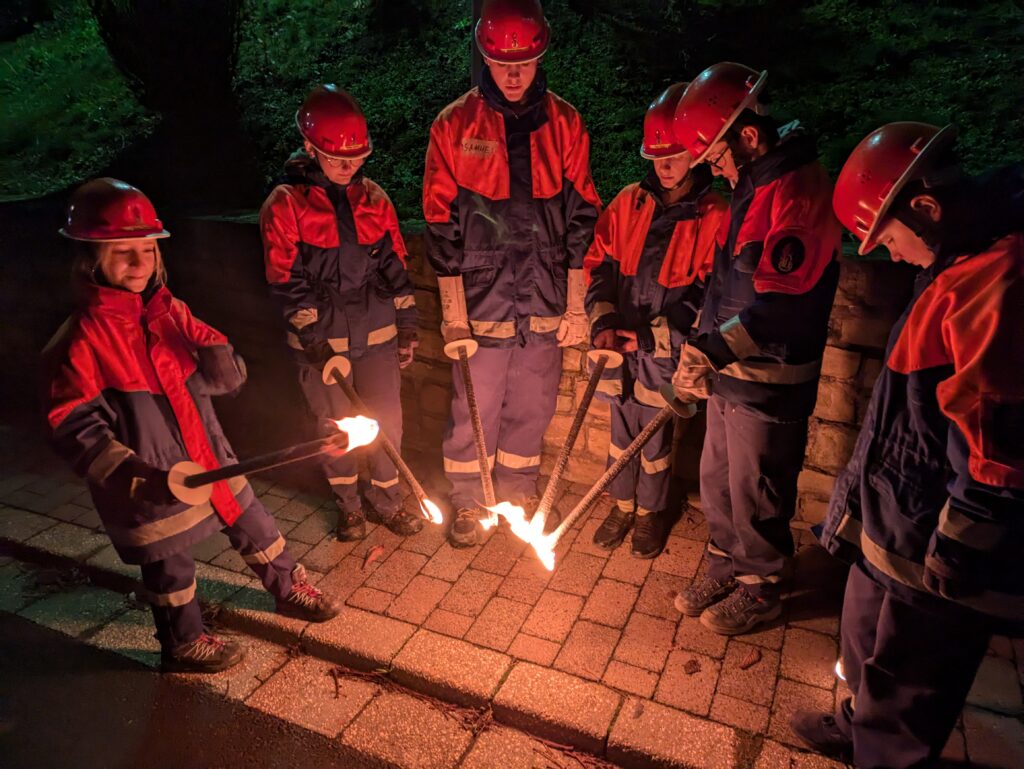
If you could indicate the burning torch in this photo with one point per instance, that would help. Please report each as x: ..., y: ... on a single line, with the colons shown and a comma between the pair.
x: 193, y: 484
x: 336, y: 371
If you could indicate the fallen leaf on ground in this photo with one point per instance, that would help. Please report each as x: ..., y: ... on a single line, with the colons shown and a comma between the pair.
x: 692, y: 667
x: 638, y: 710
x: 372, y: 555
x: 752, y: 658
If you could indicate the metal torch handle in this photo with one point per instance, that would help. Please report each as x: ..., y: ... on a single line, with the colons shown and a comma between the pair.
x: 267, y: 461
x: 551, y: 490
x: 610, y: 474
x: 389, y: 448
x: 478, y: 429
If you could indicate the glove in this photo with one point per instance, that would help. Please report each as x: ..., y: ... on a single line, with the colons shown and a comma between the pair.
x: 627, y: 341
x: 605, y: 340
x: 691, y: 381
x: 140, y: 482
x: 455, y: 316
x: 574, y: 325
x: 408, y: 341
x: 221, y: 371
x: 941, y: 578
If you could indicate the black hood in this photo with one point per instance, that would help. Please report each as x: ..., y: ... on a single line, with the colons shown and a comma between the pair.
x: 300, y: 168
x: 982, y: 210
x: 795, y: 149
x: 533, y: 99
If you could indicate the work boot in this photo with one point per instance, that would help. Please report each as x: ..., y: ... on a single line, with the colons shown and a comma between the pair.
x: 401, y: 522
x: 613, y: 529
x: 306, y: 602
x: 351, y: 526
x: 206, y: 654
x: 821, y: 733
x: 648, y: 536
x: 703, y: 592
x: 740, y: 613
x: 465, y: 531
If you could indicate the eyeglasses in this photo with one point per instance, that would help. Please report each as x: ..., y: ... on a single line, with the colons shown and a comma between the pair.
x: 332, y: 162
x: 715, y: 160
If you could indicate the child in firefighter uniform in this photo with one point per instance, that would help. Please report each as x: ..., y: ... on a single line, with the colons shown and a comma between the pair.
x: 652, y: 248
x: 128, y: 383
x: 759, y: 343
x: 930, y: 509
x: 335, y: 262
x: 510, y: 210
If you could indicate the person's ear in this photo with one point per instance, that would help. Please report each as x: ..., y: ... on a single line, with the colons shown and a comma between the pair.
x: 751, y: 137
x: 928, y: 206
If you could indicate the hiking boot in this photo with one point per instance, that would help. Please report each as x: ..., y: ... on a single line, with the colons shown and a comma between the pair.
x: 740, y: 613
x: 206, y: 654
x: 401, y: 522
x: 465, y: 531
x: 648, y: 536
x: 306, y: 602
x: 703, y: 592
x: 351, y: 526
x: 613, y: 529
x: 821, y: 733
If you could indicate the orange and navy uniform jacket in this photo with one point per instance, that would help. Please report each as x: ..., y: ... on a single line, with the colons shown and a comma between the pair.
x: 764, y: 322
x: 510, y: 206
x: 645, y: 273
x: 128, y: 380
x: 335, y: 262
x: 938, y: 469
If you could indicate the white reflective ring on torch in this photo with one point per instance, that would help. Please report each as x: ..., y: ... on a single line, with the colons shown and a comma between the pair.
x: 361, y: 431
x: 338, y: 363
x: 176, y: 476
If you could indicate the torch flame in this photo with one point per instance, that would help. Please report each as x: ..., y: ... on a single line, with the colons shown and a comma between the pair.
x: 530, y: 531
x: 361, y: 431
x: 431, y: 511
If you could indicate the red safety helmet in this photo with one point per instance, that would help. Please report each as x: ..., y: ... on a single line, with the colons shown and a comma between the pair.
x: 512, y: 31
x: 712, y: 103
x: 878, y: 168
x: 109, y: 209
x: 659, y: 135
x: 330, y: 120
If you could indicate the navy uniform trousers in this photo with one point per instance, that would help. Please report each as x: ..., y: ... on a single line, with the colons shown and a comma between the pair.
x: 515, y: 390
x: 376, y: 378
x: 748, y: 474
x: 909, y: 668
x: 171, y: 583
x: 643, y: 484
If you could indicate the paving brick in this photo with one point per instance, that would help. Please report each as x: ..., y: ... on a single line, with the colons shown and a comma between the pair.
x: 631, y: 679
x: 623, y: 567
x: 556, y: 706
x: 811, y: 658
x: 369, y: 599
x: 996, y: 687
x: 449, y: 562
x: 449, y: 623
x: 427, y: 541
x: 73, y: 612
x: 12, y: 481
x: 400, y: 730
x: 499, y: 553
x: 418, y: 599
x: 774, y: 756
x: 209, y: 548
x: 377, y: 536
x: 471, y: 592
x: 343, y: 580
x: 397, y: 571
x: 688, y: 682
x: 305, y: 693
x: 69, y: 540
x: 692, y: 524
x: 584, y: 542
x: 577, y: 573
x: 314, y: 527
x: 216, y: 585
x: 680, y: 558
x: 232, y: 560
x: 993, y: 740
x: 587, y: 650
x: 647, y: 734
x: 296, y: 510
x: 327, y: 553
x: 450, y: 669
x: 498, y: 623
x: 273, y: 503
x: 790, y: 697
x: 610, y: 603
x: 358, y: 638
x: 108, y: 560
x: 533, y: 649
x: 509, y: 749
x: 770, y: 637
x: 553, y: 615
x: 693, y: 636
x: 657, y: 596
x: 525, y: 583
x: 646, y: 642
x: 17, y: 587
x: 251, y: 610
x: 130, y: 634
x: 739, y: 713
x: 262, y: 660
x: 755, y: 684
x: 68, y: 512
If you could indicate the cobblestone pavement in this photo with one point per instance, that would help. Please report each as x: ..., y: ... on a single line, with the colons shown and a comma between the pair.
x: 591, y: 655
